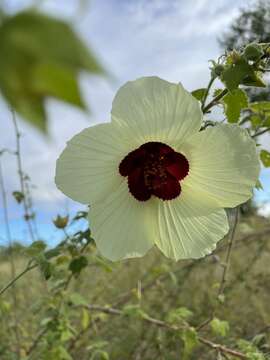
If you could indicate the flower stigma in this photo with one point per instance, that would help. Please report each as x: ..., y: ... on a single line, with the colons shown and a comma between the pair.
x: 154, y: 169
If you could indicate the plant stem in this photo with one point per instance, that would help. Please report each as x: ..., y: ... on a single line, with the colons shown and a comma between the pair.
x: 260, y: 132
x: 214, y: 101
x: 21, y: 176
x: 17, y: 277
x: 11, y: 258
x: 207, y: 91
x: 228, y: 255
x: 163, y: 324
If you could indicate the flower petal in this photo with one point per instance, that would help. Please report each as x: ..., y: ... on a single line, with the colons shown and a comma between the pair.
x: 88, y: 168
x: 122, y: 226
x: 183, y: 236
x: 224, y: 168
x: 155, y: 109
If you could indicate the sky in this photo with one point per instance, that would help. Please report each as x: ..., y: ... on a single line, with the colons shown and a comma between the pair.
x: 172, y: 39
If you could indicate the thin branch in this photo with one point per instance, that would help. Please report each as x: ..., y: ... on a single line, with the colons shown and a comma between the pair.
x: 36, y: 341
x: 228, y: 255
x: 27, y: 214
x: 11, y: 258
x: 214, y: 101
x: 260, y: 132
x: 163, y: 324
x: 207, y: 91
x: 17, y: 277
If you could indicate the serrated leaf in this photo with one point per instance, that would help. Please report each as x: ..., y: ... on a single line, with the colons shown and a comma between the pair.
x: 42, y: 58
x: 179, y: 315
x: 261, y: 114
x: 240, y: 72
x: 220, y: 327
x: 234, y: 102
x: 265, y: 157
x: 234, y: 74
x: 199, y: 93
x: 190, y: 339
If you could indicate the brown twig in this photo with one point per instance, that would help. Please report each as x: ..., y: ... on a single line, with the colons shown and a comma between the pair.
x: 165, y: 325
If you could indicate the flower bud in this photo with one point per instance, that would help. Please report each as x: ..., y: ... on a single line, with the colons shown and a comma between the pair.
x: 61, y: 222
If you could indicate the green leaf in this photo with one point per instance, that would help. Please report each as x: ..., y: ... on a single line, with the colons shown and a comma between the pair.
x: 258, y: 185
x: 46, y: 268
x: 18, y: 195
x: 261, y: 114
x: 234, y: 102
x: 240, y: 72
x: 234, y: 74
x: 85, y: 319
x: 253, y: 52
x: 219, y: 327
x: 199, y: 93
x: 77, y: 299
x: 190, y: 339
x: 57, y: 81
x: 42, y: 58
x: 265, y: 158
x: 52, y: 253
x: 179, y: 315
x: 261, y: 106
x: 36, y: 248
x: 78, y: 264
x: 134, y: 311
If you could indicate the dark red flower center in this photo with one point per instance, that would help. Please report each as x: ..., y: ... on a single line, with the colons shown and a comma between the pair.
x: 154, y: 169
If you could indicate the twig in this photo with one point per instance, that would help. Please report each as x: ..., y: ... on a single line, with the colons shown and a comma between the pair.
x: 36, y: 341
x: 214, y: 101
x: 260, y: 132
x: 163, y: 324
x: 17, y: 277
x: 224, y: 273
x: 228, y: 255
x: 27, y: 214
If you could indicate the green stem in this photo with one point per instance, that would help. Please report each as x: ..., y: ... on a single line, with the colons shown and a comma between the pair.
x: 260, y: 132
x: 214, y: 101
x: 16, y: 278
x: 207, y: 91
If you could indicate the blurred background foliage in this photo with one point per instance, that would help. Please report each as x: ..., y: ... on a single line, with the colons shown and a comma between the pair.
x: 67, y: 302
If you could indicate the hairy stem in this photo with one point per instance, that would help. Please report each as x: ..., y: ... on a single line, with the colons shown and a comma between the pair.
x: 214, y: 101
x: 27, y: 214
x: 207, y: 91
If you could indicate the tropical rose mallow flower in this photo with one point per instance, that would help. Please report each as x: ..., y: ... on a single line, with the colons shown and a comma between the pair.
x: 152, y: 177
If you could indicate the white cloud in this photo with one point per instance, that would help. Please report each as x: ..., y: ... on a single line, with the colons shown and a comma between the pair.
x: 264, y: 210
x: 173, y: 40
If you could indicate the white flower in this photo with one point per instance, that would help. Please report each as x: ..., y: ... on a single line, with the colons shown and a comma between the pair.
x: 152, y: 177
